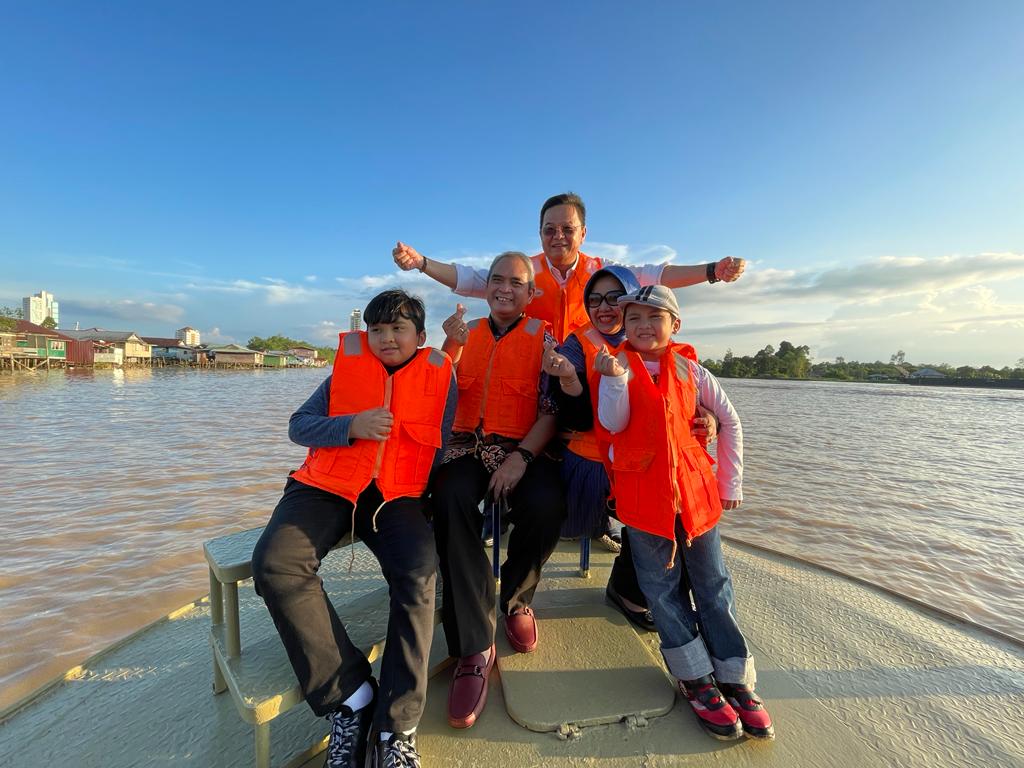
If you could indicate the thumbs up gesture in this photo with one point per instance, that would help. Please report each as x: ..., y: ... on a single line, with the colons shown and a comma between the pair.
x: 407, y: 257
x: 455, y: 327
x: 607, y: 365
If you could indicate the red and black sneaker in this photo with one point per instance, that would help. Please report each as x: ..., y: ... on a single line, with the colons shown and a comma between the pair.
x: 756, y: 722
x: 712, y: 710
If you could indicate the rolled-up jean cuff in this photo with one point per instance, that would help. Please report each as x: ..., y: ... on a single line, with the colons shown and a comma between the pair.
x: 688, y: 662
x: 735, y: 671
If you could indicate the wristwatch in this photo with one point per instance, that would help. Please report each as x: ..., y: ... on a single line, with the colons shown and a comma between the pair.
x: 709, y: 270
x: 527, y: 455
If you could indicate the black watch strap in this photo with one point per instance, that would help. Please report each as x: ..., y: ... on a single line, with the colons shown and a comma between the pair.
x: 709, y: 270
x: 527, y: 455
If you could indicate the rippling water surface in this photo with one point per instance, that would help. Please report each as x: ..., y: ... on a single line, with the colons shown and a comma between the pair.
x: 113, y: 479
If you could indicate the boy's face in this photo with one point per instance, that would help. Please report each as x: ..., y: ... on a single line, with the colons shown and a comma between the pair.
x: 607, y: 315
x: 395, y: 342
x: 649, y: 329
x: 508, y: 290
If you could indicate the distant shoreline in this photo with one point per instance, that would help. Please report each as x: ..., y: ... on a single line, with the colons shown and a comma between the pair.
x: 945, y: 382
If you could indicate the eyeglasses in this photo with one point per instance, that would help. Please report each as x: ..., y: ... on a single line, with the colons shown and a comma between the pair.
x: 611, y: 298
x: 550, y: 231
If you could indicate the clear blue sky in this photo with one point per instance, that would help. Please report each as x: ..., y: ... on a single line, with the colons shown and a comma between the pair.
x: 245, y: 168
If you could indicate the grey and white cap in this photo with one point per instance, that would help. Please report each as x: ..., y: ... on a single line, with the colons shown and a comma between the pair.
x: 653, y: 296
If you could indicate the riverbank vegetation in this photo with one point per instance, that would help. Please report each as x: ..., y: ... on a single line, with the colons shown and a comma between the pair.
x: 283, y: 342
x: 793, y: 362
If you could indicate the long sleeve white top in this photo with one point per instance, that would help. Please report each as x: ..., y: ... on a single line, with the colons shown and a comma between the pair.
x: 473, y: 282
x: 613, y: 413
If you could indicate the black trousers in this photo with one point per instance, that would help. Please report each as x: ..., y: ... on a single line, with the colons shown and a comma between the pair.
x: 537, y: 508
x: 305, y: 525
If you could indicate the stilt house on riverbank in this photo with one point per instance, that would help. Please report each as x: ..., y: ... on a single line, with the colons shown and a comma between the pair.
x: 134, y: 350
x: 236, y: 356
x: 30, y: 346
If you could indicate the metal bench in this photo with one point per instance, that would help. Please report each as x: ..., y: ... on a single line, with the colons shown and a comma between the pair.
x: 260, y: 677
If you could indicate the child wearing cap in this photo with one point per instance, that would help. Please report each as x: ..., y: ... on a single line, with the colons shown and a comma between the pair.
x: 671, y: 500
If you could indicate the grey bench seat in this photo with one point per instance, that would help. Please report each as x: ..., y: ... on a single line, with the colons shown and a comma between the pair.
x: 258, y: 674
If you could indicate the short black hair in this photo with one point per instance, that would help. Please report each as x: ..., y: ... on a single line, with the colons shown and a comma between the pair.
x: 566, y: 198
x: 388, y: 306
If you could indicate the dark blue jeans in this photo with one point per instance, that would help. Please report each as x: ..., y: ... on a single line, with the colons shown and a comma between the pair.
x: 701, y: 637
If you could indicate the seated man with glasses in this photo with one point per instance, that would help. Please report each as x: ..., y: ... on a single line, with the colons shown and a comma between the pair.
x: 562, y: 270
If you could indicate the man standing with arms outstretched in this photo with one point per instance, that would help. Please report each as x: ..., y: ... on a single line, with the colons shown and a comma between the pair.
x: 562, y: 270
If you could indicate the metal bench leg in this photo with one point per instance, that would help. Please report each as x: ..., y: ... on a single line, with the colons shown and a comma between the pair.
x: 584, y: 557
x: 233, y: 635
x: 216, y: 619
x: 262, y: 745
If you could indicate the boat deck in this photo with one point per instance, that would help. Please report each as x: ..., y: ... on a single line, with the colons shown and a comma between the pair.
x: 853, y: 677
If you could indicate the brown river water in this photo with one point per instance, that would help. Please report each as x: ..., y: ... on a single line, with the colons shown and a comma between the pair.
x: 111, y: 481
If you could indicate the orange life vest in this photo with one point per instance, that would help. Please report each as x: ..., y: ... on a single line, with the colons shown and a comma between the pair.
x: 415, y: 394
x: 562, y: 307
x: 659, y: 469
x: 498, y: 379
x: 585, y: 444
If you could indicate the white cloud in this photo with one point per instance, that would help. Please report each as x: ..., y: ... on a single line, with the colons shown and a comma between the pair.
x: 121, y: 310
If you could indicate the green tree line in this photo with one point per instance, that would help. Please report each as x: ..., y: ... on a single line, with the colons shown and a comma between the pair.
x: 280, y: 342
x: 792, y: 362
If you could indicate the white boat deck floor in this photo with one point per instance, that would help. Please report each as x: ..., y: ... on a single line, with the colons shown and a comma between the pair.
x: 852, y: 676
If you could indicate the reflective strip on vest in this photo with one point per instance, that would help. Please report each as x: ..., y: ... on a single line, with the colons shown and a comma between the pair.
x: 351, y: 345
x: 436, y: 358
x: 682, y: 367
x: 532, y: 326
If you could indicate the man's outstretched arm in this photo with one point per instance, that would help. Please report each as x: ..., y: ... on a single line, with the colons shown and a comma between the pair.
x: 727, y: 270
x: 408, y: 258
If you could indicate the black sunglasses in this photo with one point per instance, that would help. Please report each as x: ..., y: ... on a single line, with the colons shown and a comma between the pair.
x: 611, y: 298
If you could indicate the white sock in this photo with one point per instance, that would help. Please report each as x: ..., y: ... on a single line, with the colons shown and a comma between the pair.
x: 359, y: 699
x: 385, y: 735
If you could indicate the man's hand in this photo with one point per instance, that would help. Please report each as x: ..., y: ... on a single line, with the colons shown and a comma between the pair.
x: 727, y: 270
x: 372, y: 424
x: 455, y: 327
x: 730, y: 503
x: 507, y: 476
x: 407, y: 257
x: 704, y: 426
x: 607, y: 365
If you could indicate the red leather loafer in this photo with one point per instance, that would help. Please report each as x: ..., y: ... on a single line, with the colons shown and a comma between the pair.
x: 467, y: 692
x: 521, y: 629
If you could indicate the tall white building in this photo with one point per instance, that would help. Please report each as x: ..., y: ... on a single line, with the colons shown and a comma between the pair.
x: 355, y: 320
x: 37, y: 308
x: 190, y: 336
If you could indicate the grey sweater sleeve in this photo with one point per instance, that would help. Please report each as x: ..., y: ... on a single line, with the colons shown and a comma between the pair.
x: 310, y: 426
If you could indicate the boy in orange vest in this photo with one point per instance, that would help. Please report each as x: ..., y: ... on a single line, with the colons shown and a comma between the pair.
x: 374, y: 429
x: 667, y: 494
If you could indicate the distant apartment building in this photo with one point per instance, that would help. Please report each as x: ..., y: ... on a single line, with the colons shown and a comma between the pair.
x: 188, y: 335
x: 37, y: 308
x: 355, y: 320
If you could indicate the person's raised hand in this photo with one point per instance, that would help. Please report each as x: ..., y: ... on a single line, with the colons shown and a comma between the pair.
x: 407, y: 257
x: 729, y: 269
x: 607, y: 365
x: 455, y: 327
x: 554, y: 364
x: 372, y: 424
